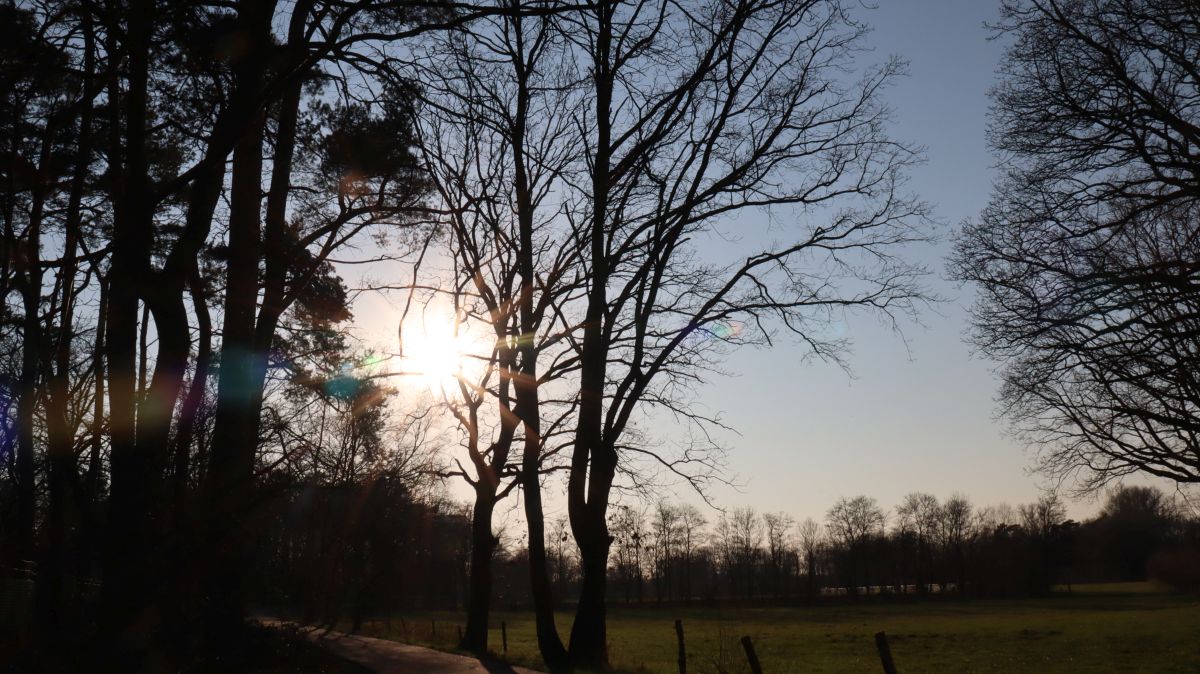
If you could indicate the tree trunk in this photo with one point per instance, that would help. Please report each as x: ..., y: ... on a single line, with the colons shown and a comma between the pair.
x: 92, y: 535
x: 230, y: 479
x: 33, y: 369
x: 53, y: 601
x: 526, y: 393
x: 589, y: 633
x: 64, y: 491
x: 239, y: 398
x: 527, y: 410
x: 30, y: 266
x: 130, y: 574
x: 549, y: 643
x: 479, y: 595
x: 31, y: 342
x: 593, y: 462
x: 185, y: 433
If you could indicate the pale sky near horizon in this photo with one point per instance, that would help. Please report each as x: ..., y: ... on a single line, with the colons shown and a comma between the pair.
x: 917, y: 412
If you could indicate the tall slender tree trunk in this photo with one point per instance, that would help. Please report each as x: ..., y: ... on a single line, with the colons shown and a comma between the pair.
x: 30, y: 267
x: 130, y: 574
x: 62, y: 508
x: 589, y: 633
x: 593, y: 462
x: 239, y: 399
x: 549, y: 643
x: 185, y: 434
x: 182, y: 555
x: 20, y: 538
x: 487, y: 492
x: 93, y: 480
x: 27, y: 390
x: 246, y: 337
x: 483, y: 546
x: 63, y: 514
x: 525, y: 385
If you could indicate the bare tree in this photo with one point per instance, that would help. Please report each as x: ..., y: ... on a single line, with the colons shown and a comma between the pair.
x: 920, y: 514
x: 778, y: 528
x: 990, y: 518
x: 493, y: 133
x: 955, y: 531
x: 745, y: 548
x: 1086, y: 259
x: 631, y: 540
x: 811, y: 539
x: 563, y: 555
x: 699, y: 114
x: 852, y: 523
x: 691, y: 537
x: 665, y: 534
x: 1041, y: 517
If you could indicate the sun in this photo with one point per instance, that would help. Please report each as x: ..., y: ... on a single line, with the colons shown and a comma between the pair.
x: 439, y: 353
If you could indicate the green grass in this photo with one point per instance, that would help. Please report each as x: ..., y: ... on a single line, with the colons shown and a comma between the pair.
x: 1115, y: 628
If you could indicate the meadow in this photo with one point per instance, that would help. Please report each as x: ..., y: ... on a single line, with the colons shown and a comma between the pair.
x: 1110, y: 628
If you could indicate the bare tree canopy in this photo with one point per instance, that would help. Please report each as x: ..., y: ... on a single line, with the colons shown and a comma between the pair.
x: 586, y: 161
x: 701, y: 116
x: 1087, y: 259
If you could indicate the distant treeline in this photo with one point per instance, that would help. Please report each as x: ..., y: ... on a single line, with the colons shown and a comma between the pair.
x: 364, y: 550
x: 921, y: 547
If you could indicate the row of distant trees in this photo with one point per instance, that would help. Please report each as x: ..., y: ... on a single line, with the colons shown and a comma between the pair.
x: 360, y: 552
x: 668, y: 552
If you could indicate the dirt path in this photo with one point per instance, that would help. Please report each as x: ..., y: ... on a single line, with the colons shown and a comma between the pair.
x: 390, y: 657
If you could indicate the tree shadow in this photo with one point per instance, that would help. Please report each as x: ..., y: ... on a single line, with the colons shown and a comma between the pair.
x: 496, y: 667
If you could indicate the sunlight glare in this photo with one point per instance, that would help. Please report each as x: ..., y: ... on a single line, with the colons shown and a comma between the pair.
x: 433, y: 351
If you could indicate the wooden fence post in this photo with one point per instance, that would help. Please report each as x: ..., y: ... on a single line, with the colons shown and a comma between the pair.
x: 504, y: 635
x: 433, y: 630
x: 682, y: 650
x: 885, y: 653
x: 751, y: 657
x: 459, y: 633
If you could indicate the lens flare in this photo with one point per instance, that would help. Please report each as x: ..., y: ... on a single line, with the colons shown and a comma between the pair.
x: 727, y: 331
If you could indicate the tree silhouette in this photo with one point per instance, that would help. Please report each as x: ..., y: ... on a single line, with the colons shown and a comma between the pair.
x: 493, y: 133
x: 853, y: 523
x: 1085, y: 258
x: 697, y: 114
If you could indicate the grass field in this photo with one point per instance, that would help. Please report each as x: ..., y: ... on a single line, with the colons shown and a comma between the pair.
x: 1112, y: 628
